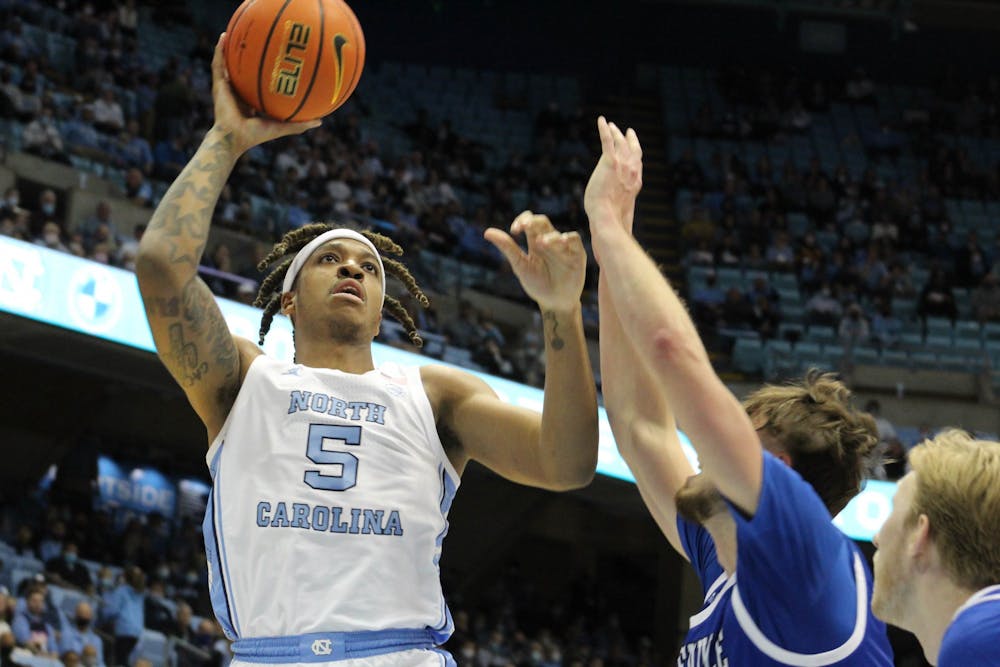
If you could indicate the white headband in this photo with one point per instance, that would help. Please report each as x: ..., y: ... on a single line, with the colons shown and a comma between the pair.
x: 304, y: 254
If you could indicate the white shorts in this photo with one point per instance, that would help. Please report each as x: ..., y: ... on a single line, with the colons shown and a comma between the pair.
x: 413, y: 658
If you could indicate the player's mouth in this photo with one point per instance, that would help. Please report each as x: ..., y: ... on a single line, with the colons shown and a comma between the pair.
x: 349, y: 289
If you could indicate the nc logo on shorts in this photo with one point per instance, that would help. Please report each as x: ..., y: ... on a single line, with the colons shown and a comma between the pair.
x: 322, y: 647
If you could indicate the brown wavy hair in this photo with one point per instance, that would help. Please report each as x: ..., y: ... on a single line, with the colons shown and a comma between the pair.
x: 830, y: 442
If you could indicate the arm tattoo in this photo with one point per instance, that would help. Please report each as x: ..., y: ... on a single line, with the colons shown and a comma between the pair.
x: 184, y: 357
x: 554, y: 338
x: 182, y: 219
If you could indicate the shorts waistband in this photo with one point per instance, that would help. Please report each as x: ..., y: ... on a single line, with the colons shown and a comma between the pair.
x: 330, y: 646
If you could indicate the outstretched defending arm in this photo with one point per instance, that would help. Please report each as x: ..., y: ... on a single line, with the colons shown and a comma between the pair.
x: 662, y: 333
x: 190, y: 334
x: 643, y: 425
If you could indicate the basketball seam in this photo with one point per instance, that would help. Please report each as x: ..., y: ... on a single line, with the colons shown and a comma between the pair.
x: 317, y: 62
x: 230, y: 45
x: 263, y: 57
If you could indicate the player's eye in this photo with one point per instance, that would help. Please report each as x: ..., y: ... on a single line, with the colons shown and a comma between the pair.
x: 328, y: 257
x: 368, y: 266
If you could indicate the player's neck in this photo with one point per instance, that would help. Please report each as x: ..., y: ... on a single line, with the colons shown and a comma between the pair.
x: 938, y: 598
x: 349, y: 358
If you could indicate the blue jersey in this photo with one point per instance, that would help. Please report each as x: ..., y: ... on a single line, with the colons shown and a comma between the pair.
x: 973, y: 638
x: 800, y: 594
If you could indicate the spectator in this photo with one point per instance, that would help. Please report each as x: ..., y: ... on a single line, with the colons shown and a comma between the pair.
x: 137, y: 190
x: 83, y: 139
x: 985, y: 299
x: 886, y: 328
x: 823, y: 308
x: 43, y: 138
x: 108, y: 115
x: 124, y: 609
x: 99, y: 227
x: 67, y: 570
x: 169, y: 157
x: 937, y: 299
x: 30, y: 627
x: 51, y: 237
x: 47, y: 211
x: 889, y: 454
x: 78, y: 633
x: 853, y: 329
x: 736, y: 312
x: 133, y: 150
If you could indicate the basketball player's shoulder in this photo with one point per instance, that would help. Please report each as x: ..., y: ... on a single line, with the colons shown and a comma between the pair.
x: 974, y: 634
x: 248, y: 351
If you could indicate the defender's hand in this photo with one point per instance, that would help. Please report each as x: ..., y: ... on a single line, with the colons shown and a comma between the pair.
x: 617, y: 178
x: 553, y: 270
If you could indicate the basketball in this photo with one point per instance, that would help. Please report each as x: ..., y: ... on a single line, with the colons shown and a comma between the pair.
x: 294, y: 60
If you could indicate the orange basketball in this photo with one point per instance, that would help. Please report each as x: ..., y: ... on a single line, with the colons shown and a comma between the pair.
x: 294, y: 59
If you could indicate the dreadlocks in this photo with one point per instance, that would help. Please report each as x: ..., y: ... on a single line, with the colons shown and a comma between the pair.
x: 281, y: 256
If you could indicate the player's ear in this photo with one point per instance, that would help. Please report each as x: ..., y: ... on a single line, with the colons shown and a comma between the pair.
x: 920, y: 539
x: 288, y: 303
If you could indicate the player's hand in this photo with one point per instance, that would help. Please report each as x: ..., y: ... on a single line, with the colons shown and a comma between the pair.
x: 234, y: 118
x: 617, y: 178
x: 553, y: 270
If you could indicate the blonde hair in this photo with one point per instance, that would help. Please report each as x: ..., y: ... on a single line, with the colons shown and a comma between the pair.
x: 830, y: 442
x: 958, y: 488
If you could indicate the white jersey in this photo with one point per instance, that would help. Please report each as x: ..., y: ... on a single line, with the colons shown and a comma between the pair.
x: 329, y: 504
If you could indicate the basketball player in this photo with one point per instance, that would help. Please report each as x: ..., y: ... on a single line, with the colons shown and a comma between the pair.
x: 782, y: 585
x: 937, y: 568
x: 332, y: 478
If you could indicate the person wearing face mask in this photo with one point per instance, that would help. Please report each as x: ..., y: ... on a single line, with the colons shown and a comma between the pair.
x: 45, y: 211
x: 124, y: 606
x: 67, y: 570
x: 105, y: 580
x: 78, y: 634
x: 11, y: 202
x: 51, y: 237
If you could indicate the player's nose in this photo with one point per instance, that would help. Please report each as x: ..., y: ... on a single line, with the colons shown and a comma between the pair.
x: 350, y: 269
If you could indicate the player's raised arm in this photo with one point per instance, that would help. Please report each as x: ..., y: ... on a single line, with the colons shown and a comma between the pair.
x: 191, y: 336
x: 557, y: 450
x: 643, y: 425
x: 661, y: 331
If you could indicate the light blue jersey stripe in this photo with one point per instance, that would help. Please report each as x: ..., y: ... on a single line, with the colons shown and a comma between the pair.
x: 448, y: 489
x: 219, y: 590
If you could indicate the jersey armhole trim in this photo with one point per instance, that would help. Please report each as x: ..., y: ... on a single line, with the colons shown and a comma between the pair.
x: 216, y: 444
x: 725, y: 582
x: 786, y: 657
x: 427, y: 417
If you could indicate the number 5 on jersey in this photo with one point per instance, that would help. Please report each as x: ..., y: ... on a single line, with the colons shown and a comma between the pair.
x: 345, y: 435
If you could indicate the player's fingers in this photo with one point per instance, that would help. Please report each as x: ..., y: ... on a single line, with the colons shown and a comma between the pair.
x: 219, y: 72
x: 607, y: 143
x: 633, y: 142
x: 505, y: 244
x: 520, y: 221
x: 619, y: 138
x: 535, y: 227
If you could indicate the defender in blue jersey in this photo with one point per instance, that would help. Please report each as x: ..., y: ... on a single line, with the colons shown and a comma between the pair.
x: 937, y: 568
x: 782, y: 585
